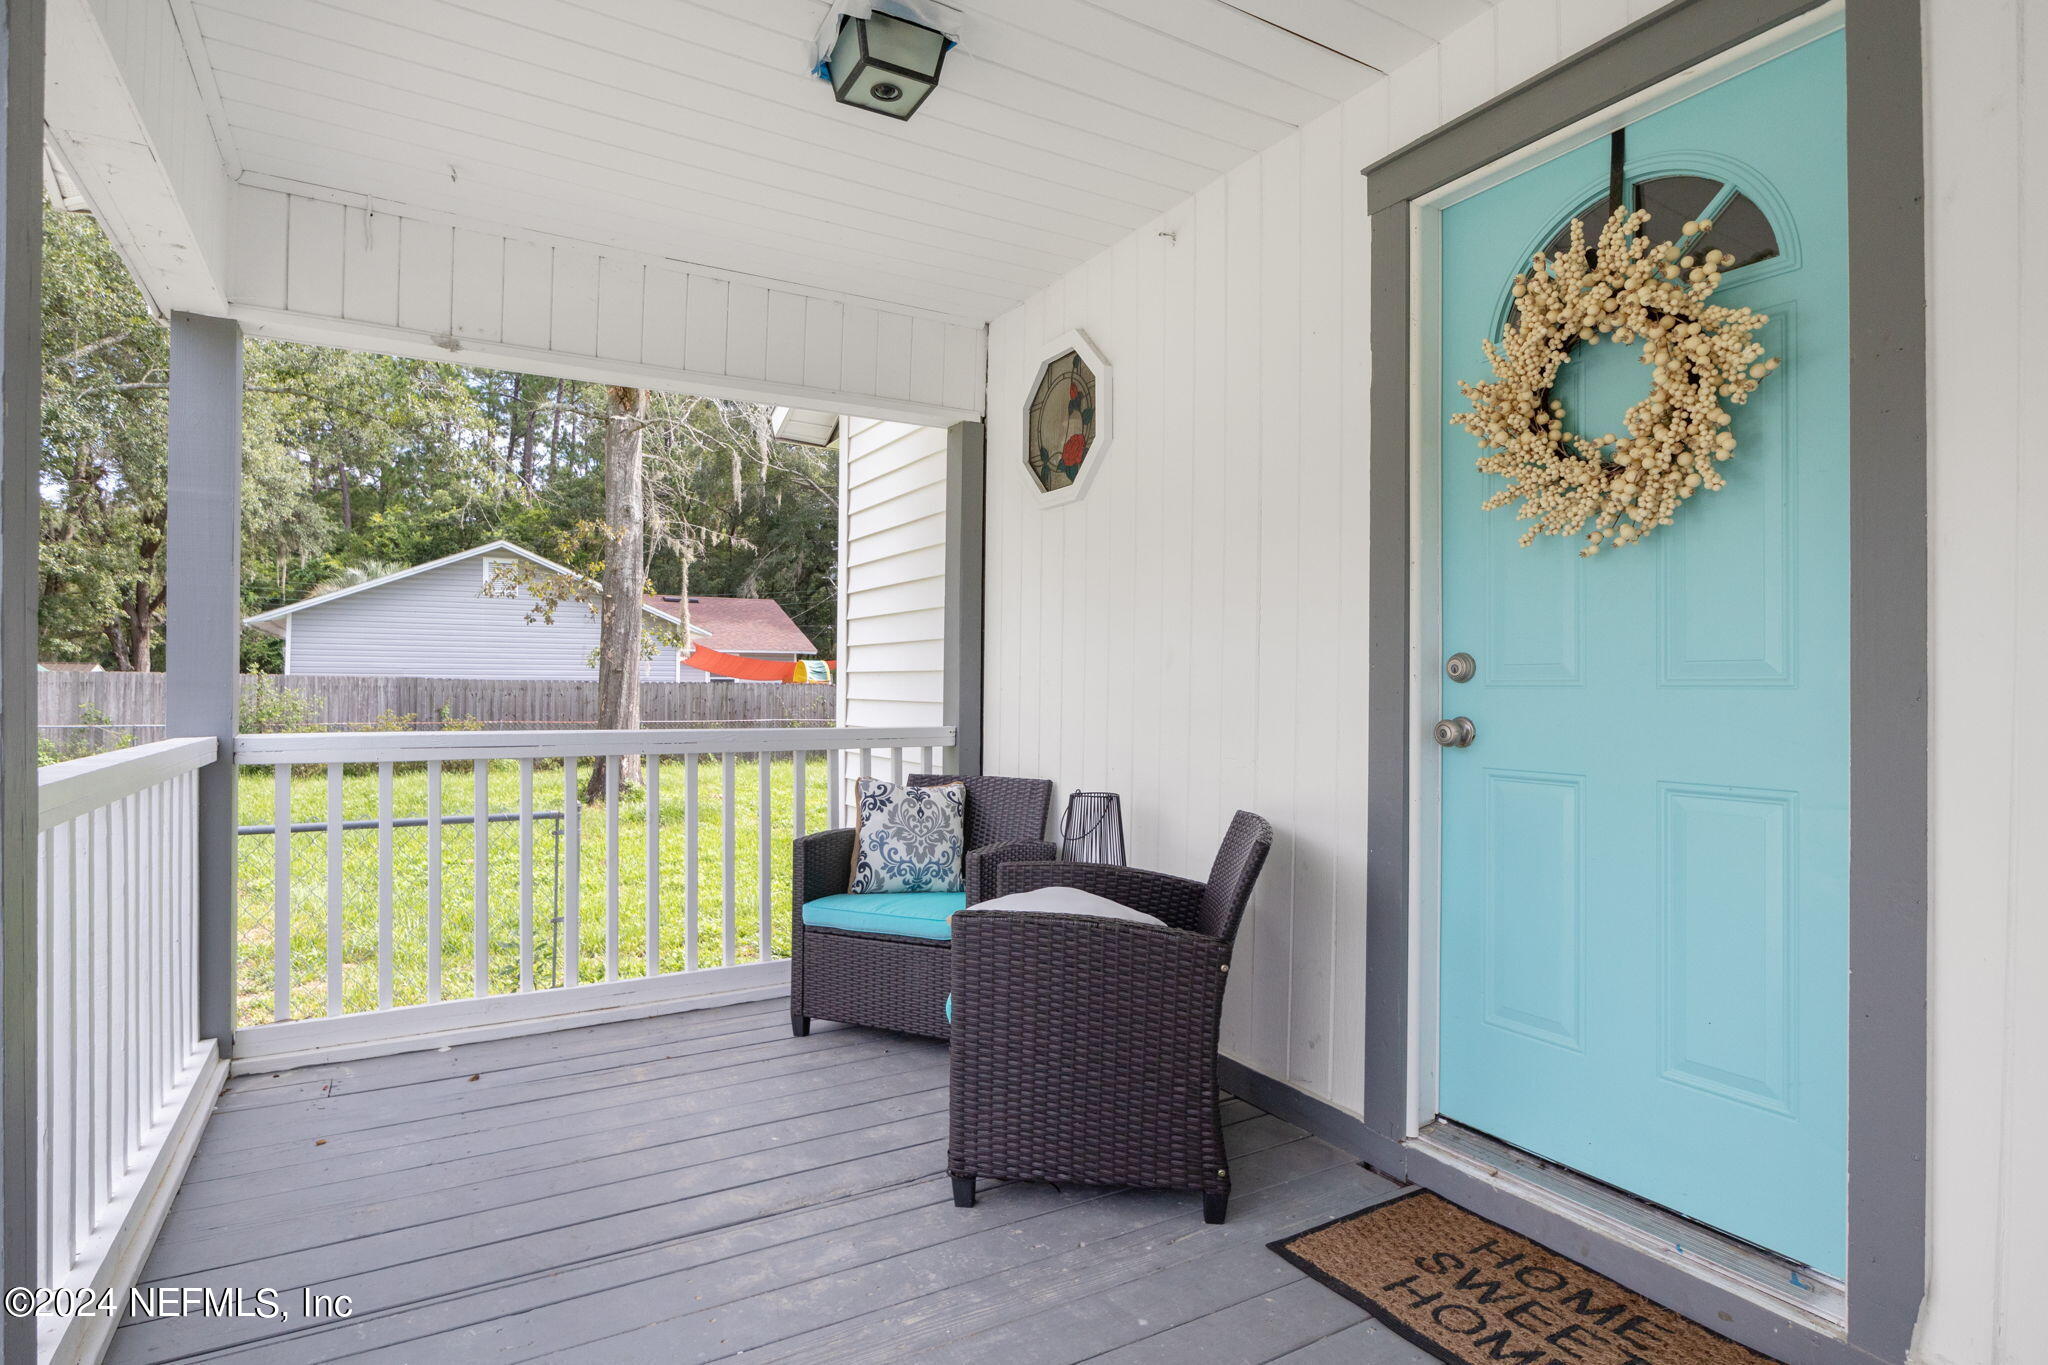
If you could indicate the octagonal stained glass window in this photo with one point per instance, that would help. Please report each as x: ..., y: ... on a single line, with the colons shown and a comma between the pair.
x: 1061, y: 431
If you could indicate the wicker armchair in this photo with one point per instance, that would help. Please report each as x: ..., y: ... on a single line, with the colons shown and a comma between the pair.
x: 886, y: 980
x: 1084, y: 1049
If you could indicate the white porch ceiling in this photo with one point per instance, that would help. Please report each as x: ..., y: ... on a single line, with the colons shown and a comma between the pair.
x: 689, y: 129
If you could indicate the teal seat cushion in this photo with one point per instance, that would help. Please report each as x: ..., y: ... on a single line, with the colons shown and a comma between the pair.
x: 910, y: 914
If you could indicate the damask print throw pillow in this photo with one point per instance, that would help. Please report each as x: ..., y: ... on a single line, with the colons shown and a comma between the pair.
x: 910, y: 838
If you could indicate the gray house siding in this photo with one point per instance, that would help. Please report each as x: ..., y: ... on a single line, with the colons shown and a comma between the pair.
x: 438, y: 624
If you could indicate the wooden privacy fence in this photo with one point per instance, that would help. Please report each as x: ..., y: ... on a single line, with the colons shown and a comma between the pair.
x: 91, y: 710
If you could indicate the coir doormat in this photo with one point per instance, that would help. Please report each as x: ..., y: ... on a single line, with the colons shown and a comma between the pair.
x: 1473, y: 1293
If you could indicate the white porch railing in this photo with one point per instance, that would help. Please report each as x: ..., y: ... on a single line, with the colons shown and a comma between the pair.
x: 404, y: 887
x: 123, y: 1075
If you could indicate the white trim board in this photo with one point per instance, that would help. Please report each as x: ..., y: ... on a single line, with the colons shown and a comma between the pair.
x: 279, y: 324
x: 448, y: 1023
x: 421, y: 746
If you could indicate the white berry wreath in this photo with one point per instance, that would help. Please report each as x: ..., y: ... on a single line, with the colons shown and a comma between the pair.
x: 1702, y: 356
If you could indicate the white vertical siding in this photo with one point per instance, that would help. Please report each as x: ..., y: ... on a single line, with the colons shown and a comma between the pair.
x: 313, y: 270
x: 893, y: 574
x: 1180, y: 634
x: 1224, y: 543
x: 438, y: 624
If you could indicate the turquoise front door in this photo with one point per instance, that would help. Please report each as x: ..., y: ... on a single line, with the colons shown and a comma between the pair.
x: 1644, y: 852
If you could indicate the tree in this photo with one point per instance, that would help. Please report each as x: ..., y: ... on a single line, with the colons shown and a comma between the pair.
x: 331, y: 438
x: 746, y: 515
x: 356, y: 461
x: 625, y: 576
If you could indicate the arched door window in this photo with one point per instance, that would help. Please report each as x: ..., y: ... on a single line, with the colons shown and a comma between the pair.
x: 1740, y: 228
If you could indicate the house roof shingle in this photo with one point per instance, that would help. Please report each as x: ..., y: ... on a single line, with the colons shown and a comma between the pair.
x: 740, y: 625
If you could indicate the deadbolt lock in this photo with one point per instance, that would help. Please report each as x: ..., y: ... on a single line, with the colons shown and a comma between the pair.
x: 1461, y: 667
x: 1455, y: 733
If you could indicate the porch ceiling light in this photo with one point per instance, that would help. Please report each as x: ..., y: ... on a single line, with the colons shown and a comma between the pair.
x: 886, y: 65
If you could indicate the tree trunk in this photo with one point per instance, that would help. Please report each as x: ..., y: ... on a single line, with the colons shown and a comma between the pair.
x: 555, y: 432
x: 618, y: 650
x: 525, y: 430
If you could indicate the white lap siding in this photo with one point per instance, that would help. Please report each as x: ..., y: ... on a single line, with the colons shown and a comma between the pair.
x: 438, y: 624
x: 892, y: 637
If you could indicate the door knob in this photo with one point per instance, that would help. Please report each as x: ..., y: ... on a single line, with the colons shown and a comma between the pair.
x: 1455, y: 733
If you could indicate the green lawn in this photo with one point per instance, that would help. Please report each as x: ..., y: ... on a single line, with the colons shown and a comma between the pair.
x: 360, y: 898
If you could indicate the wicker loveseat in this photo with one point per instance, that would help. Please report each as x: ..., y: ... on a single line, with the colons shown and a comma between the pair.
x: 892, y: 980
x: 1084, y: 1049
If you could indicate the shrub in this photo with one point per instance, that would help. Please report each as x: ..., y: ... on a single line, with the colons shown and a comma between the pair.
x: 448, y: 720
x: 271, y: 707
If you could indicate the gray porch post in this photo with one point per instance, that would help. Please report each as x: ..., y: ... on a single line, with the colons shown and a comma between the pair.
x: 203, y: 620
x: 21, y: 246
x: 966, y: 510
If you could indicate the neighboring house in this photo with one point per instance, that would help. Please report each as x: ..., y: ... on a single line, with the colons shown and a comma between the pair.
x: 435, y: 621
x: 751, y: 627
x: 67, y: 666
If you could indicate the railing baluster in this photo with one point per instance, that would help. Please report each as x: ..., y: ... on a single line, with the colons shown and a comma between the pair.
x: 159, y: 880
x: 119, y: 1020
x: 572, y: 873
x: 525, y: 874
x: 764, y: 870
x: 141, y: 976
x: 151, y: 853
x: 653, y: 771
x: 140, y: 972
x: 434, y: 813
x: 188, y: 920
x: 612, y: 768
x: 896, y: 771
x: 864, y: 767
x: 800, y: 797
x: 727, y: 851
x: 928, y: 751
x: 480, y: 873
x: 385, y: 928
x: 835, y: 794
x: 78, y: 1040
x: 334, y: 890
x: 60, y: 1072
x: 94, y: 963
x: 690, y: 896
x: 143, y: 1041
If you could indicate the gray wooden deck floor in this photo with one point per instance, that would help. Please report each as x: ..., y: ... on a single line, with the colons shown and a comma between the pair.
x: 702, y: 1185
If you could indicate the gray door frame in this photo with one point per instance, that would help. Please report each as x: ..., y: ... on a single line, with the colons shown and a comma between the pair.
x: 1888, y: 620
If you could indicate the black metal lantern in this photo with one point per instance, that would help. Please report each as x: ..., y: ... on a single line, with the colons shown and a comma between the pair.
x: 1092, y: 829
x: 885, y: 64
